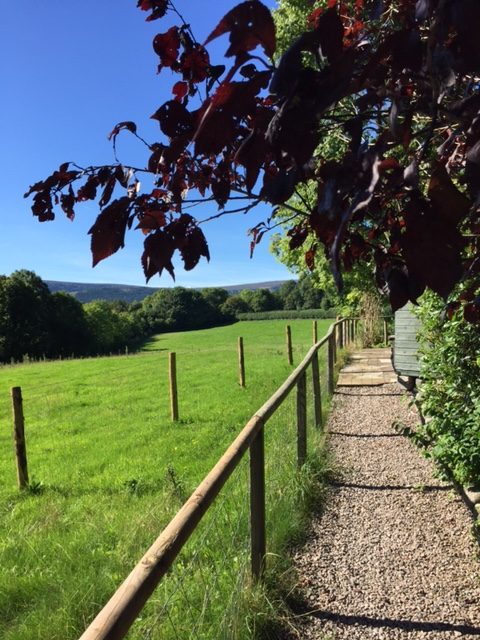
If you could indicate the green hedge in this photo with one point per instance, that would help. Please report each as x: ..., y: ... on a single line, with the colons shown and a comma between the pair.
x: 289, y: 314
x: 450, y: 392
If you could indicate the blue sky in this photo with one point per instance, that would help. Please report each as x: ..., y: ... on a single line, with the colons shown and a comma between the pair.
x: 70, y: 71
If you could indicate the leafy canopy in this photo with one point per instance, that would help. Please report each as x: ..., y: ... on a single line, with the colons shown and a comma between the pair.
x: 398, y: 80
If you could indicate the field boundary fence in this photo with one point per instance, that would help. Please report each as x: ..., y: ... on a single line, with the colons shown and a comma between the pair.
x: 126, y: 604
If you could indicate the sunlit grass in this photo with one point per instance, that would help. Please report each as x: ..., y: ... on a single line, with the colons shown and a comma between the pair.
x: 108, y: 468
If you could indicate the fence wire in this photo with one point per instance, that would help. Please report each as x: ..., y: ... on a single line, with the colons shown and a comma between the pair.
x: 205, y: 595
x: 201, y: 596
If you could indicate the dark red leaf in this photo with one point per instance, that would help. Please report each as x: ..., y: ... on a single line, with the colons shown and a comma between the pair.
x: 221, y: 190
x: 203, y: 178
x: 388, y: 164
x: 188, y: 238
x: 217, y: 132
x: 194, y: 247
x: 89, y: 190
x: 180, y: 90
x: 452, y: 308
x: 471, y: 312
x: 195, y: 64
x: 156, y: 160
x: 152, y: 219
x: 174, y: 119
x: 157, y: 254
x: 67, y: 201
x: 310, y: 259
x: 392, y: 279
x: 288, y: 69
x: 107, y: 192
x: 157, y: 7
x: 167, y: 46
x: 297, y: 235
x: 279, y: 187
x: 257, y: 234
x: 448, y: 202
x: 42, y: 206
x: 130, y: 126
x: 432, y: 248
x: 108, y: 232
x: 406, y: 50
x: 249, y: 24
x: 251, y: 155
x: 58, y: 179
x: 330, y: 33
x: 123, y: 175
x: 238, y: 98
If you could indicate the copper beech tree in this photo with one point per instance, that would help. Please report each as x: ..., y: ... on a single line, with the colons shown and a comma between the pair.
x: 398, y: 79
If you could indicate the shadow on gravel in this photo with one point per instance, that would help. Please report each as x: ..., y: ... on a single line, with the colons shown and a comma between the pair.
x: 421, y: 488
x: 367, y: 395
x: 390, y: 623
x: 365, y: 435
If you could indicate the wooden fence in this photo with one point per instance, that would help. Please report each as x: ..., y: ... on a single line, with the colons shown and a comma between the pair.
x: 117, y: 616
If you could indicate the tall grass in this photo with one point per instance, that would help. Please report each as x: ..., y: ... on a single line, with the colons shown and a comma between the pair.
x: 109, y: 469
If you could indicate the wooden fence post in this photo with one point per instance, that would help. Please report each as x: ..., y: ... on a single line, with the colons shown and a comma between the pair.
x: 385, y: 332
x: 257, y: 505
x: 315, y: 332
x: 172, y: 360
x: 302, y: 420
x: 317, y: 393
x: 19, y: 438
x: 340, y: 334
x: 241, y: 363
x: 334, y: 344
x: 289, y: 345
x: 330, y: 365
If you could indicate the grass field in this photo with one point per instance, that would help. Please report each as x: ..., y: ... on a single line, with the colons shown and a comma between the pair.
x: 108, y: 468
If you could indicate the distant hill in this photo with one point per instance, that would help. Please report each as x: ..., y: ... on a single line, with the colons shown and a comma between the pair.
x: 86, y: 292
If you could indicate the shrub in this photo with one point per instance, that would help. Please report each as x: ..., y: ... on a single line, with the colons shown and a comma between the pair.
x: 450, y: 393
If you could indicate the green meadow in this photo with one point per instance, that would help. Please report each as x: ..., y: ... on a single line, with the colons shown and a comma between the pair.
x: 108, y: 469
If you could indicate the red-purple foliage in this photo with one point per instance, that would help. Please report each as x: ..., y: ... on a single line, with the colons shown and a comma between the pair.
x: 399, y: 78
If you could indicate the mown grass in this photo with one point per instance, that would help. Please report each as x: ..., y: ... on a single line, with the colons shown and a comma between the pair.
x: 108, y: 469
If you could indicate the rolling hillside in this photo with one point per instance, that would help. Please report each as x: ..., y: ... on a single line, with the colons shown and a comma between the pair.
x: 86, y: 292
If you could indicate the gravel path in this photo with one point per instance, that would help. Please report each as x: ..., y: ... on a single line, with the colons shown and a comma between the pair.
x: 393, y: 555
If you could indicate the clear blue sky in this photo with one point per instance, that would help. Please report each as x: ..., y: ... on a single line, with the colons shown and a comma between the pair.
x: 69, y: 72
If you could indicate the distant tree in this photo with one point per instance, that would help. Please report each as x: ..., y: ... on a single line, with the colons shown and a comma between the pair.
x: 109, y: 329
x: 24, y: 316
x: 235, y: 305
x: 179, y: 309
x: 68, y: 327
x: 261, y: 299
x: 288, y: 295
x: 310, y: 294
x: 216, y: 296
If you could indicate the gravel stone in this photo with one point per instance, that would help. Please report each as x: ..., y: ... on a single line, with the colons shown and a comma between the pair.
x: 392, y: 556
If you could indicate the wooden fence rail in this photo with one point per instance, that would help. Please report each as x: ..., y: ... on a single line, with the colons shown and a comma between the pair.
x: 117, y: 616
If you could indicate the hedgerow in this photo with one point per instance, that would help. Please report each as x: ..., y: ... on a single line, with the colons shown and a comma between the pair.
x: 289, y: 314
x: 450, y: 392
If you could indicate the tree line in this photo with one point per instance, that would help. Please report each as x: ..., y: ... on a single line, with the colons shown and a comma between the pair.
x: 36, y: 323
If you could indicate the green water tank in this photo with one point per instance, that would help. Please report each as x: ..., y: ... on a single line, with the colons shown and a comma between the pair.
x: 405, y: 349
